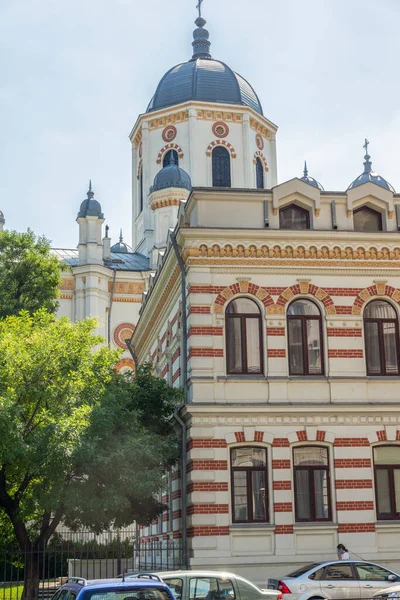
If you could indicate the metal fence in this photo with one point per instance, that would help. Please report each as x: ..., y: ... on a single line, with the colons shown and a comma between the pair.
x: 83, y: 555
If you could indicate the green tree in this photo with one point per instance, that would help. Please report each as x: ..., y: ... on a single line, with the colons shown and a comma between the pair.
x: 77, y: 443
x: 29, y: 273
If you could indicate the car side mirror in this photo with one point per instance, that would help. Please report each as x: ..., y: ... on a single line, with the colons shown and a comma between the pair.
x: 392, y: 577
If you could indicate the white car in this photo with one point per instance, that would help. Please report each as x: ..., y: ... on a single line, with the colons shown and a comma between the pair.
x: 387, y: 593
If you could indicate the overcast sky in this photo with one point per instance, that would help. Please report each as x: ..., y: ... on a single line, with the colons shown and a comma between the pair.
x: 75, y: 74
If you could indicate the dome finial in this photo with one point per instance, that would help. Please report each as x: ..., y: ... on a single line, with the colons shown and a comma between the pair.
x: 305, y: 172
x: 201, y: 44
x: 121, y: 239
x: 367, y: 164
x: 90, y: 192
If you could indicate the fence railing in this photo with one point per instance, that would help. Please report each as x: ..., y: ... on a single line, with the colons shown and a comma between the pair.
x: 75, y: 557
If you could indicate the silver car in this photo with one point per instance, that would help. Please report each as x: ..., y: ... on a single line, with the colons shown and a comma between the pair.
x: 337, y: 580
x: 388, y: 593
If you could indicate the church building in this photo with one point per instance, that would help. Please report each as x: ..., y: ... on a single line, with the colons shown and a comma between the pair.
x: 275, y: 306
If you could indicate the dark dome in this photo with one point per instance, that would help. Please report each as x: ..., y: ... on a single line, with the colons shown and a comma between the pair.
x: 90, y: 207
x: 171, y: 176
x: 370, y: 175
x: 121, y: 246
x: 203, y: 79
x: 310, y: 180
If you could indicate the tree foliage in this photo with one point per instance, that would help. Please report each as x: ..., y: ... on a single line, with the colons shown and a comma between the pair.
x: 29, y: 274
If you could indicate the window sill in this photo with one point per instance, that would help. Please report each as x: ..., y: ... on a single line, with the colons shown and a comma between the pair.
x: 313, y: 524
x: 241, y: 377
x: 387, y: 523
x: 247, y: 526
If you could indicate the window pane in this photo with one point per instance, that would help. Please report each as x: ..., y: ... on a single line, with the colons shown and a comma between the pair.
x: 303, y: 504
x: 303, y: 307
x: 379, y: 309
x: 310, y: 456
x: 314, y: 347
x: 387, y: 455
x: 259, y: 173
x: 396, y: 479
x: 293, y: 217
x: 234, y: 345
x: 240, y: 495
x: 338, y: 571
x: 372, y: 348
x: 243, y: 306
x: 321, y: 494
x: 167, y: 158
x: 372, y: 572
x: 253, y: 345
x: 226, y: 588
x: 259, y: 495
x: 221, y: 168
x: 296, y: 361
x: 390, y: 345
x: 202, y: 588
x: 383, y: 491
x: 249, y: 457
x: 175, y: 585
x: 366, y: 219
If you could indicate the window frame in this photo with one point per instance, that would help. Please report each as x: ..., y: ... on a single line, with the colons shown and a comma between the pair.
x: 243, y: 317
x: 174, y: 154
x: 220, y: 149
x: 393, y: 516
x: 303, y: 319
x: 312, y: 468
x: 370, y: 210
x: 141, y: 195
x: 249, y: 487
x: 294, y: 205
x: 381, y: 345
x: 260, y: 174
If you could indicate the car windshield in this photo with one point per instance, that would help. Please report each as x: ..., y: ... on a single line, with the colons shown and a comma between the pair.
x: 134, y: 593
x: 303, y: 570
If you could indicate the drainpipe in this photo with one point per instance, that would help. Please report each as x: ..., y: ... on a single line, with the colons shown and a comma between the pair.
x: 110, y: 307
x: 128, y: 342
x: 185, y: 395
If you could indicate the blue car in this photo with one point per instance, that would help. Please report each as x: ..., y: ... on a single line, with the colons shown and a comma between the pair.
x: 140, y: 588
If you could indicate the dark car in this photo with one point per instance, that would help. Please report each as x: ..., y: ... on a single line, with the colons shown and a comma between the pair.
x: 77, y: 588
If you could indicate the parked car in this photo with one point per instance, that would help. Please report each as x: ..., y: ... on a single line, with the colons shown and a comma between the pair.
x: 387, y: 593
x: 77, y: 588
x: 336, y: 580
x: 213, y: 585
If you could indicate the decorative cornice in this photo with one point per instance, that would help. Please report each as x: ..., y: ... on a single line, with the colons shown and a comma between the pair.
x: 126, y: 287
x: 162, y: 203
x: 67, y: 283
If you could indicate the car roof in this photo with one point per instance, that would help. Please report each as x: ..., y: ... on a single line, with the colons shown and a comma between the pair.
x: 164, y: 574
x: 112, y: 583
x: 316, y: 565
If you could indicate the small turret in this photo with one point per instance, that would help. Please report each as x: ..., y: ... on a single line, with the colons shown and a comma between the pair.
x: 2, y: 221
x: 90, y: 220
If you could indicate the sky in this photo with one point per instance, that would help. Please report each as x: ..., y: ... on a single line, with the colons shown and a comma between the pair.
x: 75, y: 74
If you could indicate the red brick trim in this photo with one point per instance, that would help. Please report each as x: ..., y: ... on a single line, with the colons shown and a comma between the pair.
x: 224, y: 143
x: 176, y: 514
x: 282, y: 485
x: 245, y: 288
x: 345, y: 353
x: 165, y: 370
x: 176, y: 375
x: 281, y: 464
x: 205, y: 443
x: 207, y: 486
x: 258, y: 436
x: 275, y: 331
x: 283, y: 529
x: 353, y: 484
x: 356, y: 527
x: 199, y: 310
x: 321, y: 436
x: 381, y: 435
x: 302, y: 435
x: 276, y: 353
x: 280, y: 443
x: 368, y: 293
x: 239, y: 435
x: 205, y: 330
x: 313, y: 290
x: 283, y: 507
x: 352, y: 463
x: 176, y: 494
x: 365, y: 505
x: 339, y: 332
x: 355, y: 442
x: 207, y: 465
x: 343, y: 310
x: 124, y: 362
x: 205, y: 352
x: 165, y: 149
x: 208, y: 509
x: 207, y: 530
x: 176, y: 354
x: 206, y: 289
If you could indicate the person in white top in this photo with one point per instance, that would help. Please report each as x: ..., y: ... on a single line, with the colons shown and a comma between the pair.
x: 342, y: 552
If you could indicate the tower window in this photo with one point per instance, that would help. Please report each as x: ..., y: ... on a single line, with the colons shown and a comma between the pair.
x: 259, y: 174
x: 294, y: 217
x: 221, y: 167
x: 167, y: 158
x: 141, y: 190
x: 381, y: 332
x: 367, y: 219
x: 243, y: 337
x: 305, y: 338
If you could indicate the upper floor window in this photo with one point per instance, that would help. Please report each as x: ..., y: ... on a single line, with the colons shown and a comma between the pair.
x: 294, y: 217
x: 387, y: 481
x: 249, y: 485
x: 243, y: 337
x: 311, y: 483
x: 305, y: 338
x: 381, y: 331
x: 141, y: 190
x: 259, y: 173
x: 167, y: 158
x: 367, y: 219
x: 221, y: 167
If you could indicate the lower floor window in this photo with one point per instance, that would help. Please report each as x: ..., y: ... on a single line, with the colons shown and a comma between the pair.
x: 387, y: 481
x: 249, y: 484
x: 311, y: 483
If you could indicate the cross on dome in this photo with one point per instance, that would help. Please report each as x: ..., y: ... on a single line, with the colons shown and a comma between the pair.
x: 199, y: 6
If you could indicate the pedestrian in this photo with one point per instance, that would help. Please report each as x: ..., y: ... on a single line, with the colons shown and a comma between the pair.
x: 342, y: 552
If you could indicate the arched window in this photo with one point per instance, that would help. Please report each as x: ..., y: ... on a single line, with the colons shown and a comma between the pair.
x: 259, y: 174
x: 141, y: 190
x: 294, y: 217
x: 243, y: 337
x: 381, y: 331
x: 249, y: 485
x: 221, y: 167
x: 305, y: 338
x: 167, y: 158
x: 387, y: 481
x: 367, y: 219
x: 311, y: 483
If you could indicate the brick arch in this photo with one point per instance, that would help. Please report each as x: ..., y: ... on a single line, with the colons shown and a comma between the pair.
x: 241, y: 287
x: 227, y: 145
x: 124, y: 362
x: 307, y: 288
x: 165, y: 149
x: 261, y: 156
x: 311, y: 434
x: 373, y: 291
